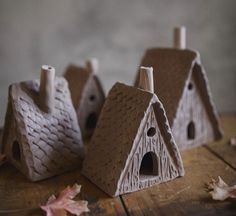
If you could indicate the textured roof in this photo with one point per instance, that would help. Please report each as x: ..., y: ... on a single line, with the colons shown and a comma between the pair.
x: 117, y: 127
x: 77, y: 78
x: 172, y: 69
x: 52, y: 142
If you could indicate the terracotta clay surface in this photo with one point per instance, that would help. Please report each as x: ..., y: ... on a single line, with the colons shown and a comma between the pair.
x: 181, y: 84
x: 42, y: 144
x: 132, y: 147
x: 87, y: 94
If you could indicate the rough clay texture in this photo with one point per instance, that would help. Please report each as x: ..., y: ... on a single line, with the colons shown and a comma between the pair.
x: 192, y: 111
x: 120, y: 142
x: 87, y: 95
x: 40, y: 144
x: 173, y: 70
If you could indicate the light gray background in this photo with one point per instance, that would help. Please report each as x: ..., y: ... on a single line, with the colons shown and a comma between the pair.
x: 117, y: 32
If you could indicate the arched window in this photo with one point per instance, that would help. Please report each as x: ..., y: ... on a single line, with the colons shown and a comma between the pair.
x: 16, y: 153
x: 91, y: 121
x: 191, y: 131
x: 149, y: 166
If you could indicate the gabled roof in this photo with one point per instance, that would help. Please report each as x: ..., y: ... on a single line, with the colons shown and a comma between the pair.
x: 117, y: 128
x: 172, y: 69
x: 77, y: 78
x: 51, y: 141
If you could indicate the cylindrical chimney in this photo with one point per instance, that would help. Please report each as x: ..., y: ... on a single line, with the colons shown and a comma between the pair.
x: 180, y: 37
x: 92, y: 65
x: 46, y: 91
x: 146, y: 79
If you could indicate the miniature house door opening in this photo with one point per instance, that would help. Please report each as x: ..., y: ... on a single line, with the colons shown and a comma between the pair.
x: 191, y: 131
x: 149, y: 166
x: 16, y: 152
x: 91, y: 121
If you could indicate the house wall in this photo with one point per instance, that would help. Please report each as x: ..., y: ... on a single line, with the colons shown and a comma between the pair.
x: 192, y: 109
x: 91, y: 103
x: 11, y: 135
x: 165, y: 169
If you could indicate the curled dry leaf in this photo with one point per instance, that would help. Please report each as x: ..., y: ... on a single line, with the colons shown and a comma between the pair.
x: 2, y: 159
x: 64, y: 203
x: 219, y: 190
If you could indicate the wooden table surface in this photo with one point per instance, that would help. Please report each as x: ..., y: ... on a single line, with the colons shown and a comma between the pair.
x: 183, y: 196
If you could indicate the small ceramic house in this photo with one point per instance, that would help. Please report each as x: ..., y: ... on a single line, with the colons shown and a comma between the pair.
x: 132, y: 147
x: 41, y: 135
x: 183, y: 88
x: 87, y: 94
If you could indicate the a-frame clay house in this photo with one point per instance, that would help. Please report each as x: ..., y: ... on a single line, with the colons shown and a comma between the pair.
x: 132, y: 147
x: 41, y: 135
x: 182, y: 86
x: 87, y: 94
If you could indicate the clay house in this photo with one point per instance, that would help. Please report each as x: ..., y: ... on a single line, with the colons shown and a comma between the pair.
x: 132, y: 147
x: 181, y: 84
x: 87, y: 94
x: 41, y: 135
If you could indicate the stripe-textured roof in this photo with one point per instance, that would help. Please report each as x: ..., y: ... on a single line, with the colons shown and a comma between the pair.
x: 172, y: 68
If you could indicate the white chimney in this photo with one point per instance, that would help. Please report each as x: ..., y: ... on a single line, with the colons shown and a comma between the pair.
x: 146, y: 79
x: 92, y: 65
x: 46, y: 91
x: 180, y: 37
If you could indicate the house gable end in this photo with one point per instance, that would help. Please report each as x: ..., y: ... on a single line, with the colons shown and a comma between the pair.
x: 204, y: 87
x: 149, y: 161
x: 12, y: 142
x: 192, y: 125
x: 91, y: 103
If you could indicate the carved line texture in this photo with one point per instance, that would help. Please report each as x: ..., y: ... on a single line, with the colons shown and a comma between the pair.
x: 155, y: 144
x: 118, y: 133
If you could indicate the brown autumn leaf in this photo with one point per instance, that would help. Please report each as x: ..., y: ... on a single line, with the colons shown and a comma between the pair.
x: 64, y: 203
x: 219, y: 190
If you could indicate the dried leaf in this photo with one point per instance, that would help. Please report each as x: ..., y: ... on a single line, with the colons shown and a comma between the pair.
x: 2, y: 159
x: 219, y: 190
x: 65, y: 203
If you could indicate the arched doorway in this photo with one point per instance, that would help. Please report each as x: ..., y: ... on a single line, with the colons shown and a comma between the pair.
x: 149, y: 166
x: 16, y: 153
x: 91, y: 121
x: 191, y: 131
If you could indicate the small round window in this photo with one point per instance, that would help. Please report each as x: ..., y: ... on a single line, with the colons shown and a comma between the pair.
x: 151, y: 131
x: 92, y: 98
x: 190, y: 86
